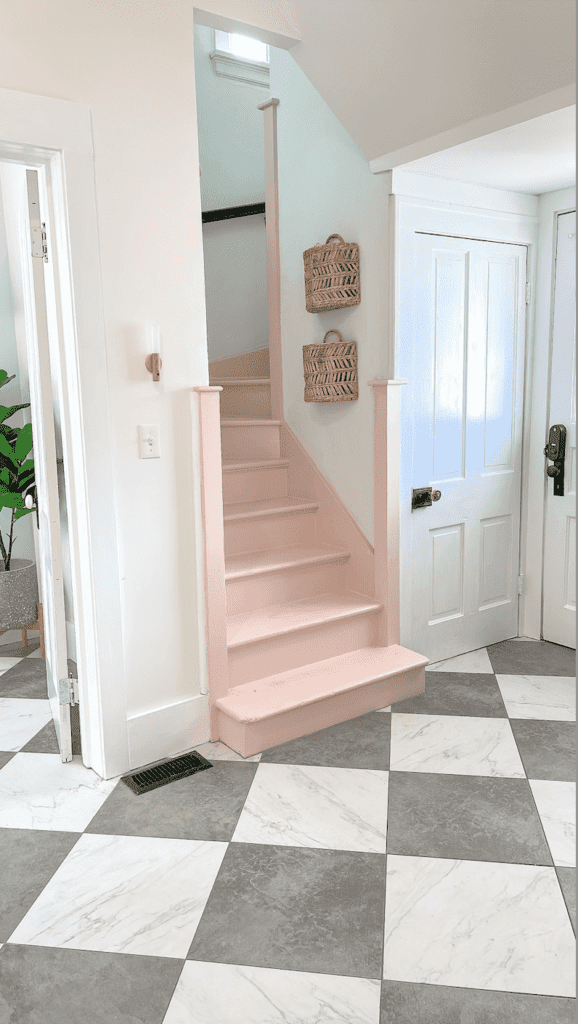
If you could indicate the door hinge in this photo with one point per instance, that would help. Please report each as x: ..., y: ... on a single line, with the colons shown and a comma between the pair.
x: 39, y: 242
x: 68, y: 691
x: 528, y: 293
x: 520, y: 584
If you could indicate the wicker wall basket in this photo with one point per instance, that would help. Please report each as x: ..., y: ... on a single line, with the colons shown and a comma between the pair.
x: 332, y: 276
x: 330, y: 371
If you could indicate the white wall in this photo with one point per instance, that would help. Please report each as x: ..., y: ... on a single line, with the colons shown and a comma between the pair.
x: 133, y: 65
x: 230, y: 133
x: 11, y: 394
x: 236, y: 286
x: 326, y: 186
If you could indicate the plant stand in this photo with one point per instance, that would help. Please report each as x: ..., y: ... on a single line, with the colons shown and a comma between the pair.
x: 38, y: 625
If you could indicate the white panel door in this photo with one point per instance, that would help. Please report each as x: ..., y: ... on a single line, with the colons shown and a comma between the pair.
x: 461, y: 342
x: 559, y: 590
x: 49, y: 541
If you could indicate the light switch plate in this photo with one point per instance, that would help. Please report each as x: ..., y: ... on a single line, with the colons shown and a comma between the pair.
x: 149, y: 438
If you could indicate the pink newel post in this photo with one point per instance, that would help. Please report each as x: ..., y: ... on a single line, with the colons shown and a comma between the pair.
x: 387, y: 395
x: 214, y: 547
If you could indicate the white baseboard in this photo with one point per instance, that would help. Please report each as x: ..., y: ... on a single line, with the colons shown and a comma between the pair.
x: 169, y: 730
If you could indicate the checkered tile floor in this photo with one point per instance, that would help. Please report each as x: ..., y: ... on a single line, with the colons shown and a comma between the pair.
x: 414, y: 866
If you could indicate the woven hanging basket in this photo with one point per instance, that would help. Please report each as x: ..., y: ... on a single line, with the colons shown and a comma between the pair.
x: 330, y: 371
x: 332, y: 276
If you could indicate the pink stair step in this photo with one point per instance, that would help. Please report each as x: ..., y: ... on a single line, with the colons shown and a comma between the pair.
x: 244, y: 396
x: 256, y: 563
x: 269, y: 523
x: 254, y: 479
x: 267, y: 508
x: 281, y: 619
x: 250, y: 439
x: 260, y: 714
x: 257, y: 579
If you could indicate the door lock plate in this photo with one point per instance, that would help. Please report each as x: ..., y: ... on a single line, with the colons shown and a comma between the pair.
x: 421, y: 497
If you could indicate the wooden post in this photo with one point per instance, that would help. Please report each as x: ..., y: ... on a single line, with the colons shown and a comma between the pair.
x: 387, y: 395
x: 269, y: 107
x: 214, y: 547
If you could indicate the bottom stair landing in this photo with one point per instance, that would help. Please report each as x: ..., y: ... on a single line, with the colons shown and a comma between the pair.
x: 263, y: 713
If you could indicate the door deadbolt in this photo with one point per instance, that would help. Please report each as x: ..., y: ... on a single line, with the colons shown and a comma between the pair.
x: 422, y: 497
x: 555, y: 450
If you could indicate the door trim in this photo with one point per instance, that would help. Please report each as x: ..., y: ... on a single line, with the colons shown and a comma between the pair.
x: 55, y: 137
x: 441, y: 218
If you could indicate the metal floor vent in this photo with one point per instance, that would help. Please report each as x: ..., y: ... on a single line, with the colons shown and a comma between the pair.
x: 169, y: 771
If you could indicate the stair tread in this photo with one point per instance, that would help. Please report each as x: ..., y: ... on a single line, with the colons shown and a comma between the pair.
x: 234, y: 464
x: 278, y: 619
x: 273, y: 695
x: 239, y: 381
x: 266, y: 507
x: 253, y: 563
x: 243, y: 421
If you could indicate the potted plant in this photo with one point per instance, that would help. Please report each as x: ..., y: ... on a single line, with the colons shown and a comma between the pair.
x: 18, y: 580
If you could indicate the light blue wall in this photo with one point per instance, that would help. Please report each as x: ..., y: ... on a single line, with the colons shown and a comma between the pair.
x: 326, y: 186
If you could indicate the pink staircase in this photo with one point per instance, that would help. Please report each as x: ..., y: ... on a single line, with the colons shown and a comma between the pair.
x: 302, y: 646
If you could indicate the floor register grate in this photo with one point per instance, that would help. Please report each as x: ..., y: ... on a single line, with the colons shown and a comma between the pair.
x: 168, y: 771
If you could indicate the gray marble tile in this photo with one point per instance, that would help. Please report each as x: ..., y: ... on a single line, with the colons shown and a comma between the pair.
x: 537, y: 658
x: 307, y: 805
x: 295, y: 910
x: 202, y: 806
x: 456, y: 693
x: 125, y: 894
x: 403, y: 1003
x: 5, y: 757
x: 40, y: 985
x: 547, y: 749
x: 472, y: 661
x: 44, y: 742
x: 360, y: 743
x: 465, y: 818
x: 567, y: 879
x: 28, y: 860
x: 26, y: 679
x: 476, y: 924
x: 266, y: 996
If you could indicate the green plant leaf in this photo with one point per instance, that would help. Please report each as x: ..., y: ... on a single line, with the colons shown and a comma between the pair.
x: 8, y: 500
x: 22, y: 512
x: 6, y: 411
x: 24, y: 442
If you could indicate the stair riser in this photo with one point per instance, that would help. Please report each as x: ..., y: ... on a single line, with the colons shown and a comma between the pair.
x: 251, y: 442
x: 251, y: 738
x: 266, y: 657
x: 252, y: 592
x: 267, y: 534
x: 255, y: 484
x: 249, y: 401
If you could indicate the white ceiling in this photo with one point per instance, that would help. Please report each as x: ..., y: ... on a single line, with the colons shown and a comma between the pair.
x: 536, y: 156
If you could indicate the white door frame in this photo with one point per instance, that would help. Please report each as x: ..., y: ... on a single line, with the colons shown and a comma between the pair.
x: 551, y: 205
x: 55, y: 137
x: 471, y: 211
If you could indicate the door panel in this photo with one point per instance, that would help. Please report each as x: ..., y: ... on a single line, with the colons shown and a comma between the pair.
x: 559, y: 591
x: 462, y: 327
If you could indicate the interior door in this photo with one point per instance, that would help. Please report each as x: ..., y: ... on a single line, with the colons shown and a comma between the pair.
x: 49, y: 540
x: 462, y: 331
x: 559, y: 588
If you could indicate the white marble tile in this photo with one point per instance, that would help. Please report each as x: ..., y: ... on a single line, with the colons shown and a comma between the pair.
x: 20, y: 720
x: 209, y: 993
x: 556, y: 803
x: 549, y: 698
x: 331, y: 808
x: 6, y: 663
x: 39, y: 791
x: 454, y: 745
x: 11, y: 636
x: 475, y: 924
x: 473, y: 661
x: 219, y: 752
x: 125, y: 894
x: 385, y: 709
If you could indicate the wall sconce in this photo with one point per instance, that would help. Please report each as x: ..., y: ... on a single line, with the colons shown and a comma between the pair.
x: 153, y: 361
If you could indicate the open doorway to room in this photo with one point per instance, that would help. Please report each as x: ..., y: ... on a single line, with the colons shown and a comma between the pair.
x: 232, y: 78
x: 38, y: 670
x: 478, y: 273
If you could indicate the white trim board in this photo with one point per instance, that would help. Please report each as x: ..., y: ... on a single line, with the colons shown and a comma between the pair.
x: 55, y: 136
x: 186, y: 722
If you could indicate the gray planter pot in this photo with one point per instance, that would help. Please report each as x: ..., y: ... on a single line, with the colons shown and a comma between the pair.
x: 18, y: 594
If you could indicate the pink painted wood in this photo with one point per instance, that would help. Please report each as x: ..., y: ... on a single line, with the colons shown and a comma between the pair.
x: 387, y: 396
x: 214, y: 547
x: 269, y: 108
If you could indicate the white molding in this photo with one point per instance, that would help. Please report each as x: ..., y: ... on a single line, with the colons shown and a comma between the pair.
x: 186, y: 722
x: 56, y: 137
x: 284, y: 40
x: 248, y: 71
x: 545, y: 104
x: 458, y: 193
x: 534, y: 481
